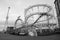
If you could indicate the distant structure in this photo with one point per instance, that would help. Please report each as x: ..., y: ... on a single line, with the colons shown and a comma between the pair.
x: 57, y: 6
x: 7, y: 17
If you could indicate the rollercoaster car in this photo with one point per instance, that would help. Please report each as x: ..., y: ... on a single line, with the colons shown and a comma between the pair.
x: 39, y: 20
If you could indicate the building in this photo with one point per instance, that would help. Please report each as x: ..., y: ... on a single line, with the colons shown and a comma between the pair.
x: 57, y: 6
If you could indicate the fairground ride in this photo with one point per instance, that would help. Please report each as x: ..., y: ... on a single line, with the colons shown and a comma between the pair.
x: 39, y: 20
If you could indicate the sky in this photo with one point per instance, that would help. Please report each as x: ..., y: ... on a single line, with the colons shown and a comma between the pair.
x: 17, y: 8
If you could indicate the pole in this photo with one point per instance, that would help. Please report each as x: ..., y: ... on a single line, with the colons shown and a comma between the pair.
x: 7, y: 17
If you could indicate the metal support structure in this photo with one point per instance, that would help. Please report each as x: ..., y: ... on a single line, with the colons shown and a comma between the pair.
x: 7, y: 17
x: 18, y: 19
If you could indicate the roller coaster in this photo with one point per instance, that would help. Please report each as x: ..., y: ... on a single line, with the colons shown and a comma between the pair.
x: 37, y: 22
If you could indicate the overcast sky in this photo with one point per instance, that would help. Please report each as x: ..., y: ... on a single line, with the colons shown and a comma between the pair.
x: 18, y: 7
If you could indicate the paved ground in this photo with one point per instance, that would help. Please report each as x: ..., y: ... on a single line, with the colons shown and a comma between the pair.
x: 15, y: 37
